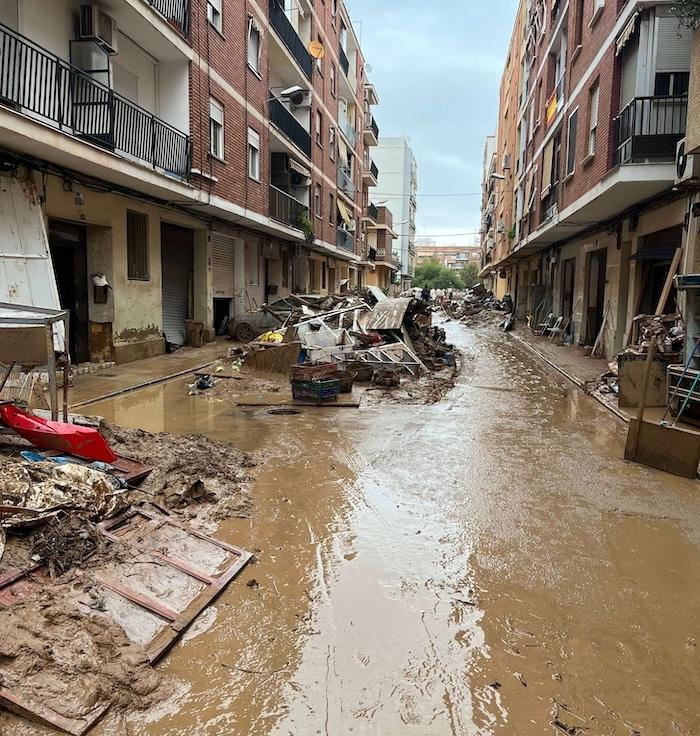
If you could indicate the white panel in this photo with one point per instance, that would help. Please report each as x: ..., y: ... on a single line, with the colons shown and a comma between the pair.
x: 222, y: 266
x: 673, y: 47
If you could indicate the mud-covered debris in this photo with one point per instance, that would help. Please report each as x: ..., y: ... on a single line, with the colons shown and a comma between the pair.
x: 65, y: 542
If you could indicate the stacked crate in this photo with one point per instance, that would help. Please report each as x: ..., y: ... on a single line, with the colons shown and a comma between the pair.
x: 314, y: 382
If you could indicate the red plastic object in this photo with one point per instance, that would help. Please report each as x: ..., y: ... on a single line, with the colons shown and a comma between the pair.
x: 46, y: 434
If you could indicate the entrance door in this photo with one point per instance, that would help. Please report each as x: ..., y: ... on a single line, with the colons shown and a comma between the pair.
x: 568, y: 286
x: 67, y: 242
x: 597, y: 262
x: 177, y: 266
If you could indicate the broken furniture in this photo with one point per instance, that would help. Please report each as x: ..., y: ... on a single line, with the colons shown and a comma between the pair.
x: 34, y: 337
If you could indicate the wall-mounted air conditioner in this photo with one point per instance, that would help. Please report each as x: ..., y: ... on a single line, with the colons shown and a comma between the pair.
x: 687, y: 166
x: 506, y: 161
x: 500, y: 227
x: 98, y: 26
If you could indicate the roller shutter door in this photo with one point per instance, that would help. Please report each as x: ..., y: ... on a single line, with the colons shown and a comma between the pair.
x: 177, y: 267
x: 9, y: 13
x: 673, y: 46
x: 222, y: 265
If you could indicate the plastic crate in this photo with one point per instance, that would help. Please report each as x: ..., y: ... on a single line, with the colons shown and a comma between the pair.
x: 312, y: 371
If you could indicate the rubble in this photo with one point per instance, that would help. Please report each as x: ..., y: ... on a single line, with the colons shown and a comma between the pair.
x: 666, y: 331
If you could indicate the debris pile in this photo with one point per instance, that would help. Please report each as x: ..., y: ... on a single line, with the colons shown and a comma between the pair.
x: 476, y: 302
x: 666, y: 331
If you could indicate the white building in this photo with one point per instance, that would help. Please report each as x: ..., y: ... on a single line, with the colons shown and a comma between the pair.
x: 397, y: 187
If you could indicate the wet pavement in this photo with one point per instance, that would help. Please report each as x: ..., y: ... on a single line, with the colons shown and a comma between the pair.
x: 484, y: 565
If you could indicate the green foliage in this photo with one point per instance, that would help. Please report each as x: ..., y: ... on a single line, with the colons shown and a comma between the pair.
x: 433, y: 275
x: 306, y: 226
x: 687, y: 12
x: 512, y: 232
x: 469, y: 275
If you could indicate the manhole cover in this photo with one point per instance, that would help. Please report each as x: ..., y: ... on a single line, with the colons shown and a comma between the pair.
x: 284, y: 411
x: 103, y: 375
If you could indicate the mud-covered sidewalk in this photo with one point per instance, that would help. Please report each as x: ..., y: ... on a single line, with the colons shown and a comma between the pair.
x: 484, y: 564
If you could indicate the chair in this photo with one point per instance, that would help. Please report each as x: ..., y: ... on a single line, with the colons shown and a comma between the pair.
x: 544, y: 326
x: 556, y: 329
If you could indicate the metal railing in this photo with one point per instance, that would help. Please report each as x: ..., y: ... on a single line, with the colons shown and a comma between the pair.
x: 649, y: 128
x: 282, y: 119
x: 176, y: 12
x: 371, y: 124
x: 290, y: 38
x: 38, y: 83
x: 285, y: 208
x: 348, y: 129
x: 345, y: 240
x: 374, y: 169
x: 345, y: 182
x: 344, y: 61
x: 372, y: 212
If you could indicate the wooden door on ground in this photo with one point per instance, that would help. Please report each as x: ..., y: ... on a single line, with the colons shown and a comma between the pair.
x: 595, y: 295
x: 68, y: 245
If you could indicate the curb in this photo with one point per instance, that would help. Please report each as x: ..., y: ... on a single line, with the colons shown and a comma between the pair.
x: 136, y: 387
x: 579, y: 384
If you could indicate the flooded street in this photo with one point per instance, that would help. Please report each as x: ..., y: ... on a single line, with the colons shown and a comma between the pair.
x: 487, y: 564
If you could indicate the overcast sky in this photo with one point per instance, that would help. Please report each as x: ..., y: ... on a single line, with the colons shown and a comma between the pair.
x: 437, y: 67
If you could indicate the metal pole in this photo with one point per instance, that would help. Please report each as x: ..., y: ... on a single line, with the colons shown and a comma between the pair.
x: 51, y: 367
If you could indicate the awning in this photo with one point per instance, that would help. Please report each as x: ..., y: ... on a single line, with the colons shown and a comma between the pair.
x: 296, y: 166
x: 345, y: 215
x: 655, y: 253
x: 627, y: 33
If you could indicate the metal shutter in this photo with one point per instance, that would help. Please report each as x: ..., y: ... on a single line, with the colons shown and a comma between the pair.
x: 9, y: 13
x: 674, y: 42
x: 222, y: 265
x: 177, y: 266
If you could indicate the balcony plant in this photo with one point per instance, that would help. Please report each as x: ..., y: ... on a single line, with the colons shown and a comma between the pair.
x: 306, y: 226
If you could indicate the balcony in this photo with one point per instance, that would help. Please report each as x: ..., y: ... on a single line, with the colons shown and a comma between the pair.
x: 176, y: 12
x: 649, y: 128
x: 344, y: 61
x: 345, y: 240
x: 348, y: 128
x: 370, y: 172
x: 386, y: 256
x: 345, y: 183
x: 371, y: 131
x: 37, y: 83
x: 290, y: 38
x: 371, y: 213
x: 289, y: 126
x: 287, y: 209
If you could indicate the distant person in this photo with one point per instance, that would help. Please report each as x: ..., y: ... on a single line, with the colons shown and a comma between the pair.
x: 425, y: 294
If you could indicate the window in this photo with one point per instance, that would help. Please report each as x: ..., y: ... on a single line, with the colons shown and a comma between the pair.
x: 319, y: 61
x: 214, y: 13
x: 593, y: 100
x: 333, y: 82
x: 253, y: 45
x: 331, y: 208
x: 319, y: 128
x: 216, y: 129
x: 331, y: 142
x: 571, y: 143
x: 671, y: 84
x: 253, y: 154
x: 317, y: 200
x: 137, y: 246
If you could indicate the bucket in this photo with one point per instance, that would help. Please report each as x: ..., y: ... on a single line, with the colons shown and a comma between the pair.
x: 195, y: 333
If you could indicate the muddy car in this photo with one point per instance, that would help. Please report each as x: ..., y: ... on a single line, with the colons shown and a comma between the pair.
x: 256, y: 322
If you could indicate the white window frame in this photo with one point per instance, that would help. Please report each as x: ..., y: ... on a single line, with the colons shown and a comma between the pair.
x: 569, y: 141
x: 253, y: 154
x: 593, y: 112
x: 214, y: 14
x: 216, y: 129
x: 318, y: 201
x: 319, y: 128
x: 254, y: 60
x: 331, y: 142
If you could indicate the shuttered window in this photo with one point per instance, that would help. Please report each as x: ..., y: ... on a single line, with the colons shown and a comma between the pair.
x: 9, y: 12
x: 571, y: 143
x: 137, y: 246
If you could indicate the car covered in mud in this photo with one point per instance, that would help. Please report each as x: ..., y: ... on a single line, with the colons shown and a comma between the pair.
x: 256, y: 322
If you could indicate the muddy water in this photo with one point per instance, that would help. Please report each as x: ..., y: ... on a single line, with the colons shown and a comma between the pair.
x: 483, y: 565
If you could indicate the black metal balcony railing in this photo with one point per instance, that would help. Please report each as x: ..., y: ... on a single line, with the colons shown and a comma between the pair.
x: 371, y: 124
x: 372, y: 212
x: 374, y: 169
x: 650, y: 128
x: 345, y: 183
x: 345, y: 240
x: 344, y: 61
x: 176, y: 12
x: 290, y: 38
x: 40, y: 84
x: 287, y: 209
x: 286, y: 122
x: 372, y: 254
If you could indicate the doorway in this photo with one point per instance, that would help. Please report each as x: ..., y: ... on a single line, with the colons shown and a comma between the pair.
x: 177, y: 264
x: 595, y: 294
x: 568, y: 289
x: 68, y: 245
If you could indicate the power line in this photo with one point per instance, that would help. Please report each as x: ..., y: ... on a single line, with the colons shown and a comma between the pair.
x: 419, y: 194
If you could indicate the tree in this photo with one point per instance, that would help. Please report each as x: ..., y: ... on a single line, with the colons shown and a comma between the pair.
x: 433, y: 275
x: 469, y: 275
x: 687, y: 12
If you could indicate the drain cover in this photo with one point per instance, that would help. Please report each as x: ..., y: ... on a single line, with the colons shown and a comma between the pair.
x: 284, y: 411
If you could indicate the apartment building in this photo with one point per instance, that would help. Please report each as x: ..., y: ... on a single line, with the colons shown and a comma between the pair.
x: 385, y: 260
x: 204, y: 156
x: 398, y: 188
x: 596, y: 214
x: 488, y: 210
x: 454, y: 257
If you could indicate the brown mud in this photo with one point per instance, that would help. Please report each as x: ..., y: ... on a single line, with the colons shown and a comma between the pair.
x: 487, y: 564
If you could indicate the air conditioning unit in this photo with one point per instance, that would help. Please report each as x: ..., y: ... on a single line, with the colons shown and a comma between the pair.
x: 506, y: 161
x: 500, y: 227
x: 687, y: 166
x: 98, y: 26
